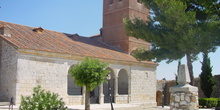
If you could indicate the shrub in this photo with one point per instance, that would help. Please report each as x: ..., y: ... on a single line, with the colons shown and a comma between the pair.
x: 208, y: 102
x: 42, y: 100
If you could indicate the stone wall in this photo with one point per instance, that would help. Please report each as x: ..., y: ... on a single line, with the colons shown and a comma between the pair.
x: 143, y: 85
x: 183, y: 96
x: 50, y: 73
x: 122, y: 99
x: 197, y: 84
x: 76, y: 100
x: 22, y: 72
x: 216, y: 92
x: 8, y: 72
x: 184, y: 101
x: 167, y: 91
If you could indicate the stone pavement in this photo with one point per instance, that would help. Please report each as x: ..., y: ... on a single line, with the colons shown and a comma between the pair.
x: 105, y: 107
x: 108, y: 107
x: 116, y: 107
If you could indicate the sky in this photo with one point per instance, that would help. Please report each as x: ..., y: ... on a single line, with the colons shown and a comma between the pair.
x: 83, y: 17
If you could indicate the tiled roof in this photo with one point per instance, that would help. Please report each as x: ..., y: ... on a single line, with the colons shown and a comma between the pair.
x: 24, y: 37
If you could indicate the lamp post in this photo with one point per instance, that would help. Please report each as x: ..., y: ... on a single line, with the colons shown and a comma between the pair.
x: 109, y: 89
x: 163, y: 87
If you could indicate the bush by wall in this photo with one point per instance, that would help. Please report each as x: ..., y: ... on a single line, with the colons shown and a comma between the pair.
x: 42, y: 100
x: 209, y: 102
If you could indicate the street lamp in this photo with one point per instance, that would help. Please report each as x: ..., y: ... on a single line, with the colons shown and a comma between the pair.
x: 109, y: 89
x: 163, y: 87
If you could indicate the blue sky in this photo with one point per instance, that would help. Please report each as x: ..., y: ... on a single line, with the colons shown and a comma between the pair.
x: 78, y: 16
x: 70, y: 16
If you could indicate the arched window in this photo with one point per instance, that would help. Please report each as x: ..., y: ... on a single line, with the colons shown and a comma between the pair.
x: 72, y: 88
x: 122, y: 82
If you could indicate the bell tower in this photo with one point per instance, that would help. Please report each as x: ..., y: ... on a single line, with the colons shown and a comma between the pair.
x: 113, y: 31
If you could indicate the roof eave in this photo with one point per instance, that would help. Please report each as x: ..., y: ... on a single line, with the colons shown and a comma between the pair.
x: 81, y: 57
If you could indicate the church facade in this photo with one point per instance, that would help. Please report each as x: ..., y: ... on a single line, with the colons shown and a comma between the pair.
x: 32, y: 56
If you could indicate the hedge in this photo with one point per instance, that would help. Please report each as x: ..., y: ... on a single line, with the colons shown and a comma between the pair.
x: 209, y: 102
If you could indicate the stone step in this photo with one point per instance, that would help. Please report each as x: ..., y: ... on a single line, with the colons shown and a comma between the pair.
x: 4, y: 103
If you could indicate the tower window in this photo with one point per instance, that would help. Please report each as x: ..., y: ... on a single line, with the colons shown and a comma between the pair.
x: 111, y: 2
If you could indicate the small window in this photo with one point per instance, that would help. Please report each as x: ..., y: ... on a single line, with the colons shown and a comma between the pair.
x: 147, y: 75
x: 119, y: 0
x: 111, y: 2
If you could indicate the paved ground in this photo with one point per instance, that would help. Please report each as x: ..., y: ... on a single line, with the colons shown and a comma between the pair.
x: 108, y: 107
x: 121, y: 107
x: 116, y: 107
x: 105, y: 107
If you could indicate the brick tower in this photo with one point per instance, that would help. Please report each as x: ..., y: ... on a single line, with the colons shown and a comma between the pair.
x: 113, y: 31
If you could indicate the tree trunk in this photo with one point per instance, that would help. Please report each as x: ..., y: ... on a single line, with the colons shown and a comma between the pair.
x: 190, y: 68
x: 87, y: 99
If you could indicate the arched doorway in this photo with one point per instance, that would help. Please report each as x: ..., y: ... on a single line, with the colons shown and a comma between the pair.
x: 106, y: 86
x: 159, y: 98
x: 123, y: 82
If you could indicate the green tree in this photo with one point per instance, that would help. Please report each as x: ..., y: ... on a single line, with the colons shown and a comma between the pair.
x: 204, y: 8
x: 89, y: 73
x: 42, y: 100
x: 207, y: 81
x: 174, y: 32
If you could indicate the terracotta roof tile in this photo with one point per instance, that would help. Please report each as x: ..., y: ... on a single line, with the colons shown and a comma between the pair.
x: 25, y: 38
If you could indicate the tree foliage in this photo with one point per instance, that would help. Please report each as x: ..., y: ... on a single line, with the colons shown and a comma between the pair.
x: 207, y: 81
x: 89, y: 73
x: 42, y: 100
x: 204, y: 8
x: 174, y: 31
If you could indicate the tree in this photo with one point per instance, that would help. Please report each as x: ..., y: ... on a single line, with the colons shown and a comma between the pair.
x: 174, y: 32
x: 89, y: 73
x: 207, y: 81
x: 176, y: 75
x: 204, y: 8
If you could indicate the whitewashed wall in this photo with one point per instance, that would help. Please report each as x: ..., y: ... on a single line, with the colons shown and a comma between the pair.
x: 20, y: 73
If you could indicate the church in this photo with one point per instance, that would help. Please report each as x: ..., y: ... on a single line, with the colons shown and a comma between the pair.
x: 31, y: 56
